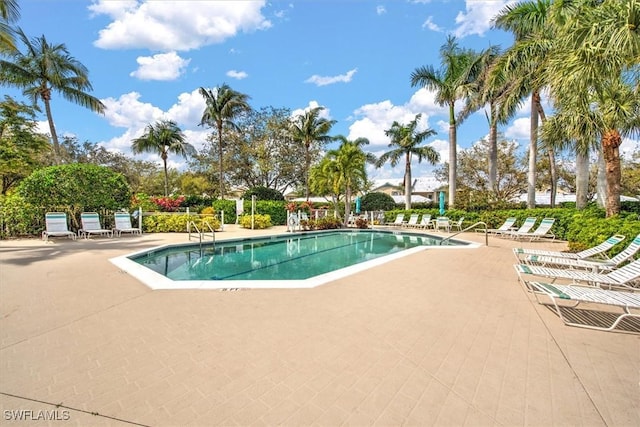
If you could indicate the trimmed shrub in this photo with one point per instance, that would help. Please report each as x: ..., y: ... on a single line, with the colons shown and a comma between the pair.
x: 229, y: 208
x: 259, y: 221
x: 176, y: 223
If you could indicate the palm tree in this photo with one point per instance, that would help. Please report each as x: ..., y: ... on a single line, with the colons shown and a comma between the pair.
x: 450, y: 84
x: 349, y: 164
x: 9, y: 12
x: 162, y: 138
x: 45, y: 68
x: 524, y: 63
x: 595, y: 74
x: 223, y: 106
x: 405, y: 141
x: 310, y: 129
x: 486, y: 91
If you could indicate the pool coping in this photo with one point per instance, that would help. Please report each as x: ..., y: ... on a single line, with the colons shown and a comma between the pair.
x: 156, y: 281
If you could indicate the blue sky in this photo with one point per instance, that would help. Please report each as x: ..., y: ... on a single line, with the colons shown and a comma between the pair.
x: 147, y: 59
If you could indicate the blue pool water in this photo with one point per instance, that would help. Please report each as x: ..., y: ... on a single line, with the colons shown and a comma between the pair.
x: 290, y: 257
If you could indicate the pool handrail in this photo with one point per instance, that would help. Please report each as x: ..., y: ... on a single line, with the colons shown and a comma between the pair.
x: 201, y: 234
x: 486, y: 235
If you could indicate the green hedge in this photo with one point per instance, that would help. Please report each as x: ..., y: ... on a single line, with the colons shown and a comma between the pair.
x: 176, y: 223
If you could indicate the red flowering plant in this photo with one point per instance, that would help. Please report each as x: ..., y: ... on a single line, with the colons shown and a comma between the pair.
x: 306, y: 206
x: 291, y: 207
x: 168, y: 204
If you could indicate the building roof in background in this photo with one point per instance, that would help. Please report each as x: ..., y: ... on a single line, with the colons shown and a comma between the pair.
x: 424, y: 184
x: 545, y: 198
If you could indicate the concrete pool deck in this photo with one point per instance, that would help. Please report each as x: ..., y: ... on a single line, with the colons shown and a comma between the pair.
x: 439, y: 337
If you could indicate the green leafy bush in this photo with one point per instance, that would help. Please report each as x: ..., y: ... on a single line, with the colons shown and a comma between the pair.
x: 259, y: 221
x: 81, y: 186
x: 377, y: 202
x: 263, y: 193
x: 229, y: 208
x: 275, y: 209
x: 20, y: 218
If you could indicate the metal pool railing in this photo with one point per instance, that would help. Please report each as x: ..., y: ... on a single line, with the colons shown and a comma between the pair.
x: 201, y: 234
x: 486, y: 234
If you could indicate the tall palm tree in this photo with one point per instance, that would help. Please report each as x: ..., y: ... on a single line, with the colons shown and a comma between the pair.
x: 485, y: 90
x: 163, y: 138
x: 525, y: 63
x: 9, y: 12
x: 310, y: 129
x: 405, y: 142
x: 350, y: 161
x: 223, y: 106
x: 595, y: 75
x: 450, y: 84
x: 45, y: 68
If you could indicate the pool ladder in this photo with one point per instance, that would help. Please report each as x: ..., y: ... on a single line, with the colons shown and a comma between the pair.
x: 201, y: 234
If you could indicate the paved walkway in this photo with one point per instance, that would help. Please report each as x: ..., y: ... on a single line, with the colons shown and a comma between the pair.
x: 441, y: 337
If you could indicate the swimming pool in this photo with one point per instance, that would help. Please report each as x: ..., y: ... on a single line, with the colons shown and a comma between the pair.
x: 292, y: 260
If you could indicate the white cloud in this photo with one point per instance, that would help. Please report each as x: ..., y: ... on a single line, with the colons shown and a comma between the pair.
x: 187, y: 112
x: 519, y: 129
x: 430, y: 25
x: 324, y: 114
x: 477, y: 16
x: 130, y: 113
x: 237, y: 74
x: 328, y: 80
x: 163, y: 66
x: 381, y: 10
x: 180, y: 25
x: 372, y: 120
x: 43, y: 127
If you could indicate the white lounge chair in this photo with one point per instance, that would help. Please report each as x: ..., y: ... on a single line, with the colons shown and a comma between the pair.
x: 526, y: 227
x: 457, y: 224
x: 398, y: 221
x: 594, y: 265
x: 543, y: 231
x: 623, y: 277
x: 123, y: 224
x: 56, y: 226
x: 442, y: 222
x: 508, y: 225
x: 629, y: 302
x: 91, y: 225
x: 413, y: 221
x: 595, y: 251
x: 425, y: 222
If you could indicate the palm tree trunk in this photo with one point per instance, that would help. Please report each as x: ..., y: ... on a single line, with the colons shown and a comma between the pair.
x: 307, y: 166
x: 407, y: 182
x: 553, y: 169
x: 52, y: 129
x: 533, y: 151
x: 347, y: 204
x: 601, y: 180
x: 166, y: 176
x: 582, y: 179
x: 493, y: 151
x: 453, y: 171
x: 220, y: 167
x: 610, y: 148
